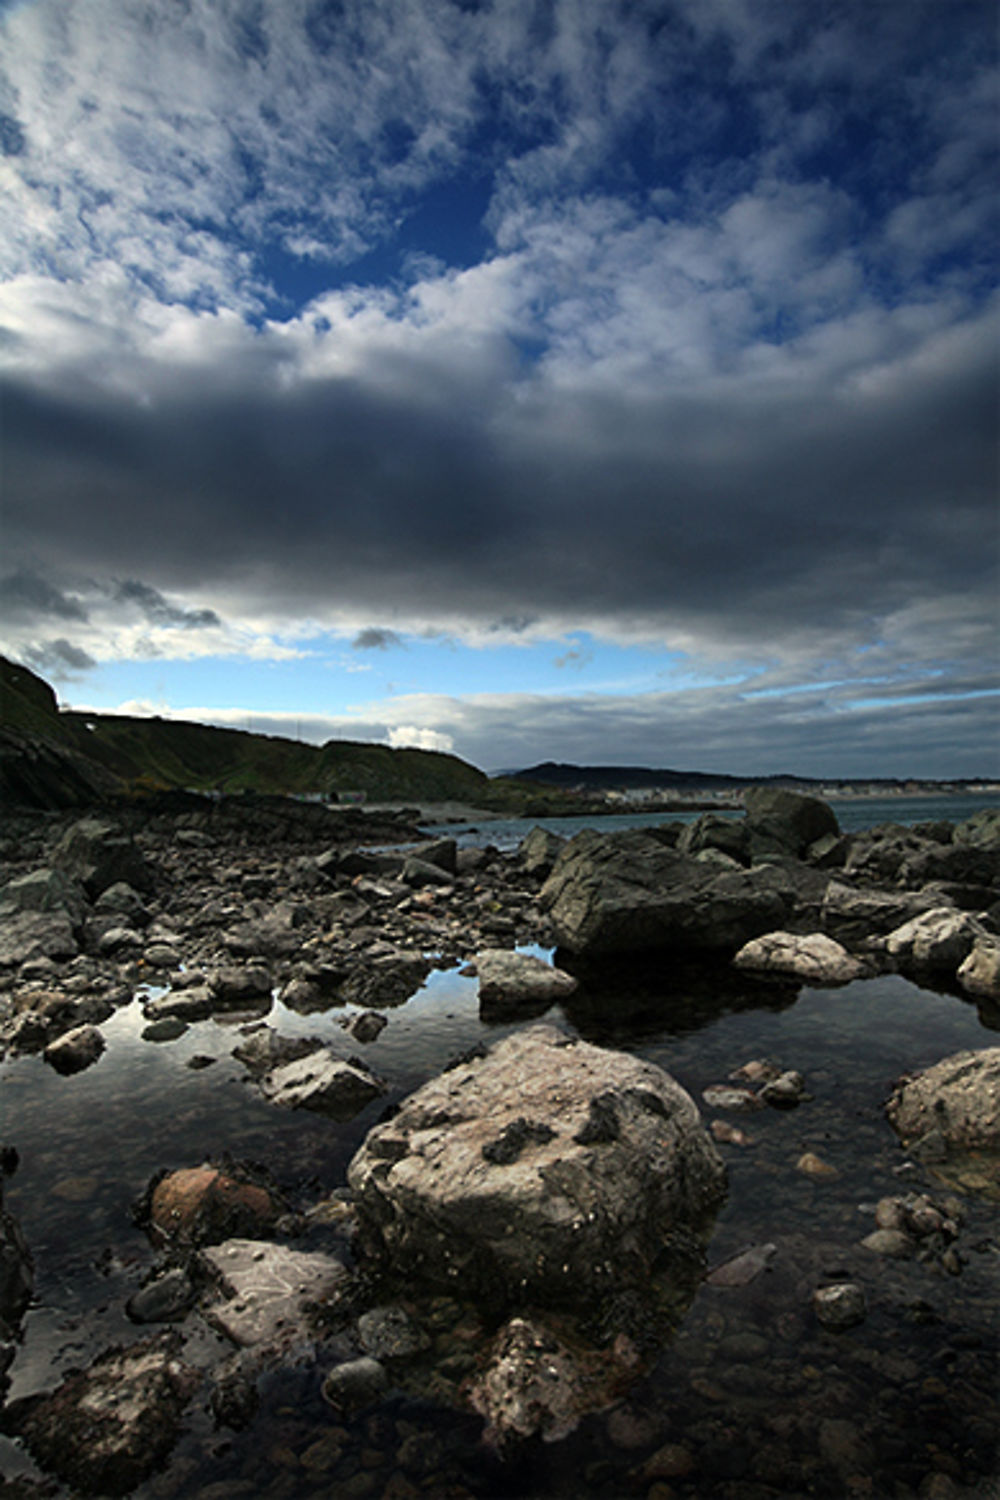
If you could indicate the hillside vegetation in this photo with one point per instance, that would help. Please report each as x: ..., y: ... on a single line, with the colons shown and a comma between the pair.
x: 53, y: 758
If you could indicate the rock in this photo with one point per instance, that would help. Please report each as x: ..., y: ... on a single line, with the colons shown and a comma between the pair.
x: 121, y: 900
x: 418, y: 873
x: 44, y: 891
x: 979, y: 973
x: 165, y: 1300
x: 546, y: 1166
x: 390, y: 1333
x: 781, y: 821
x: 441, y: 852
x: 106, y: 1429
x: 508, y: 980
x: 855, y: 917
x: 894, y: 1243
x: 238, y: 989
x: 715, y: 831
x: 390, y: 979
x: 785, y: 1091
x: 959, y: 1096
x: 355, y: 1384
x: 17, y: 1273
x: 539, y: 851
x: 40, y: 1016
x: 534, y: 1384
x: 367, y: 1026
x: 99, y: 854
x: 118, y: 942
x: 30, y: 935
x: 961, y: 863
x: 620, y: 892
x: 742, y: 1268
x: 937, y: 939
x: 725, y: 1096
x: 265, y: 1049
x: 812, y: 1165
x: 840, y: 1306
x: 983, y: 828
x: 167, y: 1029
x: 270, y: 1293
x: 192, y: 1004
x: 814, y: 958
x: 161, y: 955
x: 203, y: 1205
x: 325, y: 1083
x: 75, y: 1050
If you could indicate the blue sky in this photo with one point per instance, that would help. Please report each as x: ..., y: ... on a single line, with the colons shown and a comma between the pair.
x: 537, y: 379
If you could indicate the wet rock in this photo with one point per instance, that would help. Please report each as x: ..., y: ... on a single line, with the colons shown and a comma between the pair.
x: 161, y: 955
x: 843, y: 1445
x: 419, y: 873
x: 785, y: 1091
x: 106, y: 1429
x: 123, y: 901
x: 236, y: 989
x: 75, y: 1050
x: 40, y: 1016
x: 539, y: 851
x: 624, y: 892
x: 959, y: 1096
x: 508, y: 980
x: 368, y: 1026
x: 390, y: 1333
x: 855, y: 916
x: 840, y: 1306
x: 937, y: 939
x: 192, y: 1004
x: 742, y: 1268
x: 564, y: 1217
x: 389, y: 980
x: 726, y: 1096
x: 714, y: 831
x: 536, y: 1384
x: 979, y: 973
x: 100, y: 854
x: 729, y: 1135
x: 166, y: 1030
x: 270, y: 1292
x: 894, y: 1243
x: 203, y: 1205
x: 812, y: 1165
x: 118, y: 941
x: 265, y: 1049
x: 355, y: 1384
x: 814, y: 958
x: 325, y: 1083
x: 781, y: 821
x: 44, y: 890
x: 165, y: 1300
x: 17, y: 1273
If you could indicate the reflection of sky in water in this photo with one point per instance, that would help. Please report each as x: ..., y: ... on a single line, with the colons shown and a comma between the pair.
x: 90, y: 1143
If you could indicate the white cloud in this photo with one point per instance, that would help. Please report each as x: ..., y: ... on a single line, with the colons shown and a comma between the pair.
x: 414, y: 737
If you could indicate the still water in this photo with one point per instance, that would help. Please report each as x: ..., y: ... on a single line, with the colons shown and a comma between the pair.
x: 750, y: 1399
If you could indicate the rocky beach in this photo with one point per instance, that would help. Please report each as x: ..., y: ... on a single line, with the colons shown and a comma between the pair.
x: 694, y: 1193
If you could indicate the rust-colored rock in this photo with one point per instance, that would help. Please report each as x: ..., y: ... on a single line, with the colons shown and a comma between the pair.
x: 204, y: 1205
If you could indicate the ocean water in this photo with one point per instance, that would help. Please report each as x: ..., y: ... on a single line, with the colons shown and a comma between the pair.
x: 853, y: 814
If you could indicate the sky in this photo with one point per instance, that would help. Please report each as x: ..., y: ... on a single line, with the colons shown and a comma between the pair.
x: 602, y: 381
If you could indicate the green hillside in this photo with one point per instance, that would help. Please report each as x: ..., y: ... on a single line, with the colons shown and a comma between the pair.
x: 53, y: 758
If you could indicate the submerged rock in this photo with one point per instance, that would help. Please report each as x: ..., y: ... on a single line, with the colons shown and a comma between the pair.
x: 269, y: 1292
x: 105, y: 1429
x: 535, y: 1383
x: 75, y: 1050
x: 202, y: 1205
x: 547, y: 1166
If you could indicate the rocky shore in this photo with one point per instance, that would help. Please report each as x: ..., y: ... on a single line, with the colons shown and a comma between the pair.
x: 519, y: 1241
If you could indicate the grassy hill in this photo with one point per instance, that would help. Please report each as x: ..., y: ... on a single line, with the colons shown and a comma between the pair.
x: 53, y: 758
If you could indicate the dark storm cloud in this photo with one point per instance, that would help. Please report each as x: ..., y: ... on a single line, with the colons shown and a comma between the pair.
x: 59, y: 658
x: 25, y: 595
x: 157, y: 609
x: 375, y: 638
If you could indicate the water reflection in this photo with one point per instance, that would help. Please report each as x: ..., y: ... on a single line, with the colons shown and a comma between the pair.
x: 752, y: 1398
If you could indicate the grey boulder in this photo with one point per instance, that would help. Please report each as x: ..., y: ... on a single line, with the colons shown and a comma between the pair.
x: 546, y: 1167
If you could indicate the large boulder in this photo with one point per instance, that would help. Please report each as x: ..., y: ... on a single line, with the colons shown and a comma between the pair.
x: 714, y: 830
x: 546, y: 1167
x: 98, y: 854
x: 958, y: 1097
x: 782, y: 822
x: 620, y: 892
x: 979, y: 973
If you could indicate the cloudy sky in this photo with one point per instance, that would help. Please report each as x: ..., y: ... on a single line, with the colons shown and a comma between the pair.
x: 589, y: 380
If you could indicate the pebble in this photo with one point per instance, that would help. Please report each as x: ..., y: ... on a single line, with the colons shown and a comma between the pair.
x: 724, y: 1096
x: 814, y: 1166
x: 356, y: 1382
x: 840, y: 1306
x: 785, y: 1091
x: 891, y: 1242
